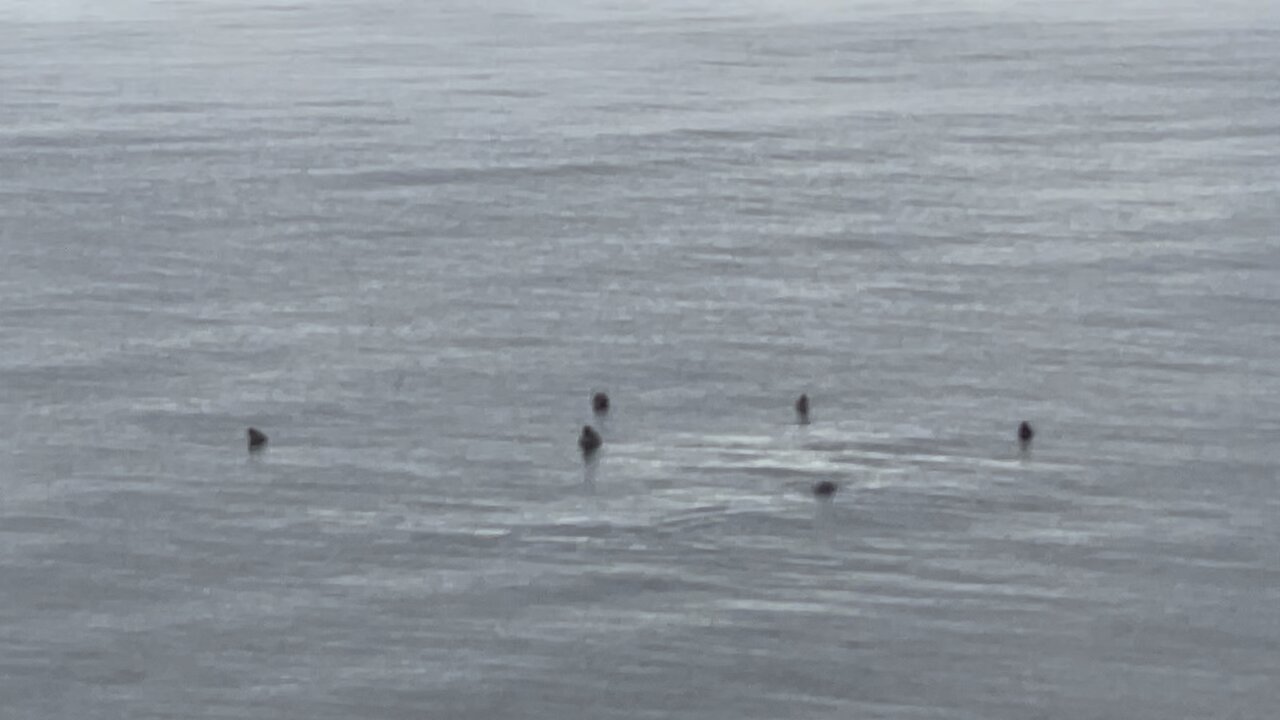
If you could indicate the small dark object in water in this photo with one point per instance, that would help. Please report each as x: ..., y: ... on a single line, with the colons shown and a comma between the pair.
x: 1025, y: 433
x: 590, y: 440
x: 825, y: 488
x: 600, y: 403
x: 802, y: 408
x: 257, y: 439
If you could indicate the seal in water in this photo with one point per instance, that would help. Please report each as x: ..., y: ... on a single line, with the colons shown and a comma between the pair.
x: 1025, y: 433
x: 825, y: 488
x: 590, y: 440
x: 600, y: 403
x: 257, y: 438
x: 802, y: 408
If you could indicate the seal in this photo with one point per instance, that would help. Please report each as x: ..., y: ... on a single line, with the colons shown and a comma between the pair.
x: 802, y: 408
x: 600, y: 403
x: 257, y: 439
x: 824, y: 488
x: 590, y: 441
x: 1025, y: 433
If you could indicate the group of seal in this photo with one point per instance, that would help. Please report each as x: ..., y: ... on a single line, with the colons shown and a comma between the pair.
x: 590, y: 440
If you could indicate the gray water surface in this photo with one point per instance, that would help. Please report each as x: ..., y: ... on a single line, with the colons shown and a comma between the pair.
x: 408, y: 240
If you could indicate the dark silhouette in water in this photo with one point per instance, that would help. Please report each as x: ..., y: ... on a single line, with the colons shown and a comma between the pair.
x: 824, y: 488
x: 257, y: 439
x: 600, y: 403
x: 802, y: 409
x: 590, y: 441
x: 1025, y: 433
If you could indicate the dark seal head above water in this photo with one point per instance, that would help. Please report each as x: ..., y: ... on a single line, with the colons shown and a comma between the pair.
x: 257, y: 439
x: 1025, y: 433
x: 802, y: 408
x: 600, y: 403
x: 590, y: 440
x: 824, y: 488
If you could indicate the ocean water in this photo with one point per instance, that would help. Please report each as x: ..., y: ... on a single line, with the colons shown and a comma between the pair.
x: 409, y: 240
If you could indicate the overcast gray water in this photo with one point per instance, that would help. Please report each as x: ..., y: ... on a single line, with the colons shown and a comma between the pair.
x: 409, y: 239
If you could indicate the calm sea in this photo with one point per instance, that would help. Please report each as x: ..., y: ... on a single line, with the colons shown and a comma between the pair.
x: 409, y: 239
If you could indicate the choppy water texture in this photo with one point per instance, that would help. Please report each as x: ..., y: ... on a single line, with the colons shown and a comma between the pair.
x: 408, y: 240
